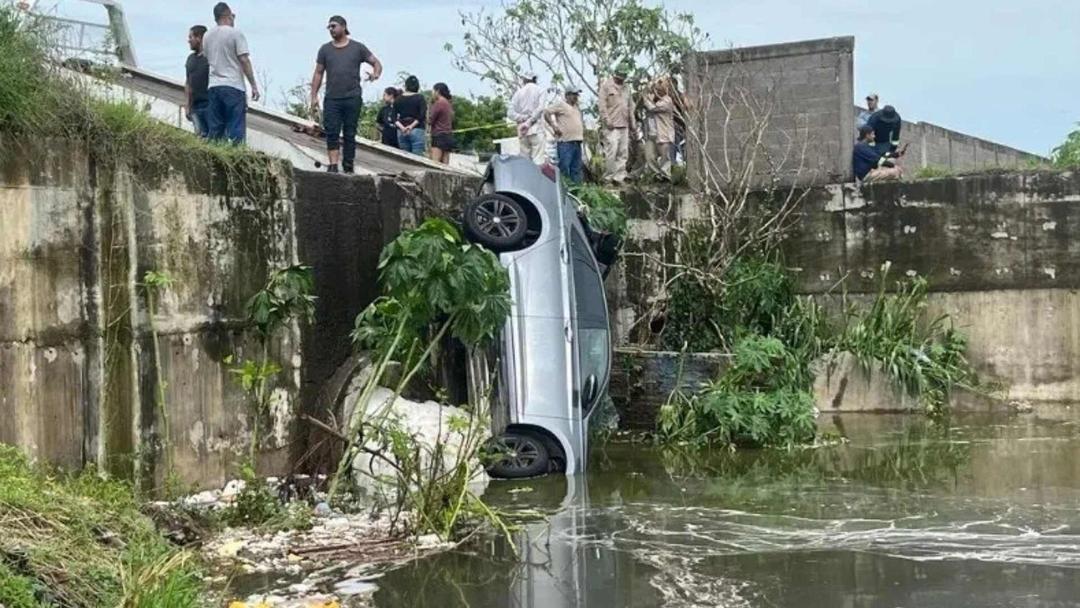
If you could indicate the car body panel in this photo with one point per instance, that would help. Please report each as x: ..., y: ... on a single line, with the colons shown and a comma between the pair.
x: 541, y: 361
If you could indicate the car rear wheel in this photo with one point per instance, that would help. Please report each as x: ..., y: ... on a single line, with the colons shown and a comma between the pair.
x: 518, y: 455
x: 497, y: 222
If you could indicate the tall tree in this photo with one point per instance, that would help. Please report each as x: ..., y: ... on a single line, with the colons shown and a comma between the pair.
x: 576, y: 41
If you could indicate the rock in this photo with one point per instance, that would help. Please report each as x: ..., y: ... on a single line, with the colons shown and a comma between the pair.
x: 842, y: 384
x: 323, y: 510
x: 300, y: 588
x: 202, y: 499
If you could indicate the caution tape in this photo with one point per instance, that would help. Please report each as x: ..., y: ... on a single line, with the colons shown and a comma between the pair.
x: 483, y: 127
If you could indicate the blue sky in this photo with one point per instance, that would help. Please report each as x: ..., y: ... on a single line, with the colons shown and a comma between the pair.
x: 1000, y: 69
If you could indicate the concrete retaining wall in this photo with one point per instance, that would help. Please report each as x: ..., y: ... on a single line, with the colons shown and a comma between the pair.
x: 78, y: 378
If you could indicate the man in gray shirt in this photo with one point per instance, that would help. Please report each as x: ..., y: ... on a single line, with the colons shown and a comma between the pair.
x: 340, y: 60
x: 226, y: 50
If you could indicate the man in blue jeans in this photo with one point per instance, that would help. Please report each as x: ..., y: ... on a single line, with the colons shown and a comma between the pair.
x: 197, y: 82
x: 227, y: 52
x: 340, y: 60
x: 564, y: 117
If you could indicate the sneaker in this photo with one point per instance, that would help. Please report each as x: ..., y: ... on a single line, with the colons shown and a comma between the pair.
x: 348, y: 169
x: 331, y: 169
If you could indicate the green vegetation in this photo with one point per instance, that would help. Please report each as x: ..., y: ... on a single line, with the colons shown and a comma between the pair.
x: 1067, y: 155
x: 81, y: 542
x: 434, y: 285
x: 764, y: 397
x: 285, y: 298
x: 603, y: 207
x: 258, y: 506
x: 40, y: 100
x: 932, y: 172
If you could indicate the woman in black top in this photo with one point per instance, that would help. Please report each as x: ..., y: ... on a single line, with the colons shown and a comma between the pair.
x: 411, y: 110
x: 386, y: 121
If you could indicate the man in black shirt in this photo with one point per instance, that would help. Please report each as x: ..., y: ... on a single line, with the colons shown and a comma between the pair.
x: 340, y: 59
x: 197, y: 109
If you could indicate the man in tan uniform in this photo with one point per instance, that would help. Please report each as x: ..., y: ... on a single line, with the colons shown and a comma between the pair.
x: 616, y: 125
x: 660, y: 108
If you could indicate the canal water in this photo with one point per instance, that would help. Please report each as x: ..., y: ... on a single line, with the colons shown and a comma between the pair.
x: 898, y: 512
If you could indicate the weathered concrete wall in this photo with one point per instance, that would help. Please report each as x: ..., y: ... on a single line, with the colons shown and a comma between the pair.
x: 805, y: 90
x: 930, y: 145
x: 642, y: 381
x: 79, y: 381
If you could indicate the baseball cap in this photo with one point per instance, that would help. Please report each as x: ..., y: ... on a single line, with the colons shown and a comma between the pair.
x: 873, y: 96
x: 573, y: 89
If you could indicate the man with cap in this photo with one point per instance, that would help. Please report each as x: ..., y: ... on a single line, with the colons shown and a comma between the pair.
x: 526, y: 109
x: 564, y: 118
x: 226, y: 51
x: 871, y: 107
x: 340, y: 61
x: 886, y: 125
x: 616, y: 124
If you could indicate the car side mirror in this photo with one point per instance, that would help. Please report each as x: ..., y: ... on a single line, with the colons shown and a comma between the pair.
x: 590, y: 389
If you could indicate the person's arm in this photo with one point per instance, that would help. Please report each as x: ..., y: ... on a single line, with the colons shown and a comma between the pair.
x: 240, y: 47
x: 376, y: 68
x: 400, y: 122
x: 550, y: 113
x: 316, y: 85
x: 187, y: 90
x: 664, y: 105
x: 512, y: 112
x: 604, y: 107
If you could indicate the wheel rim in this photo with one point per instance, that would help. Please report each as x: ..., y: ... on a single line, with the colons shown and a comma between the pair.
x: 519, y: 453
x: 497, y: 218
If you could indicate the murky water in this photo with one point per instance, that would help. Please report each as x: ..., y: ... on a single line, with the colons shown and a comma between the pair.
x: 983, y: 513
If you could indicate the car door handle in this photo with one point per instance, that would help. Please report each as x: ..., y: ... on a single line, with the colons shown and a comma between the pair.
x: 568, y: 333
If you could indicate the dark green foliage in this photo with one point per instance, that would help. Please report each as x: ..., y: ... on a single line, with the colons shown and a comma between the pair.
x: 603, y: 207
x: 286, y: 296
x: 479, y: 121
x: 81, y: 542
x: 1067, y: 155
x: 761, y: 399
x: 431, y: 274
x: 925, y: 359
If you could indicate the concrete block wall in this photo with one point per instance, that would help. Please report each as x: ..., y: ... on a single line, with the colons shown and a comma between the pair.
x: 930, y: 145
x: 805, y: 87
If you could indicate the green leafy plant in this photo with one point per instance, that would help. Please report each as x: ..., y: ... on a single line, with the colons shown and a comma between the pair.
x: 287, y: 297
x: 434, y: 284
x: 925, y: 358
x: 761, y: 399
x: 1067, y: 155
x: 932, y: 172
x: 155, y: 283
x: 603, y: 207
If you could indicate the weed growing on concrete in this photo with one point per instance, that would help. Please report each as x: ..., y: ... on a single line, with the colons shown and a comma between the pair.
x: 82, y: 542
x: 434, y: 284
x: 154, y: 283
x: 603, y: 208
x: 286, y: 299
x: 924, y: 358
x: 932, y: 172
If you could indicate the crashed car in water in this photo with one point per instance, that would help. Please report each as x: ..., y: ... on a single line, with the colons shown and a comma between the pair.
x: 554, y: 355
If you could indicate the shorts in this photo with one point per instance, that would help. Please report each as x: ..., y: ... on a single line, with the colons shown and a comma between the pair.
x: 443, y: 141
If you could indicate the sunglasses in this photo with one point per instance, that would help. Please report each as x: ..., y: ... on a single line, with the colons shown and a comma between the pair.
x: 332, y: 26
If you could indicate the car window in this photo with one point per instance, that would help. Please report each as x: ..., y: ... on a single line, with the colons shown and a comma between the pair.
x: 593, y: 334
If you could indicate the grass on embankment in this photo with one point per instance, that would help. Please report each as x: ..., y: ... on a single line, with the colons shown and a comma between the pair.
x: 81, y: 542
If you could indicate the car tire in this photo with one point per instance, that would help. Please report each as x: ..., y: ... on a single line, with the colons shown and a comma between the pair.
x: 496, y: 222
x: 516, y: 455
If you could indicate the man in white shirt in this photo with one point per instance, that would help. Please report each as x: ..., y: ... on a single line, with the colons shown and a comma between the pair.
x: 226, y: 50
x: 526, y: 110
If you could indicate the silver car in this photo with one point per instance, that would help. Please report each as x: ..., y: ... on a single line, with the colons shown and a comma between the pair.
x: 555, y: 352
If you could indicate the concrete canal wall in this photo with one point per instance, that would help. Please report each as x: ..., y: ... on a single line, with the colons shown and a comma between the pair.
x: 1000, y: 251
x: 78, y: 379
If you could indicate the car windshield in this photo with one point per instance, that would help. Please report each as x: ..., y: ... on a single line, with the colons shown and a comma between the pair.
x: 593, y: 340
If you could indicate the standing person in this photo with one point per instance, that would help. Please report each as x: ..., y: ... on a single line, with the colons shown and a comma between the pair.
x: 660, y: 108
x: 871, y: 107
x: 564, y: 117
x: 886, y: 125
x: 616, y: 123
x: 442, y: 123
x: 197, y: 109
x: 340, y: 60
x: 386, y: 121
x: 227, y: 52
x: 870, y: 165
x: 526, y: 109
x: 411, y: 110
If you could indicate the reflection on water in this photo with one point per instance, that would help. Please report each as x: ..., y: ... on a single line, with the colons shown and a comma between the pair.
x: 985, y: 512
